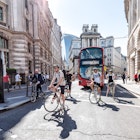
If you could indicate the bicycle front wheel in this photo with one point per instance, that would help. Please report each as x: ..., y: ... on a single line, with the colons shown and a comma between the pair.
x: 94, y: 97
x: 51, y: 104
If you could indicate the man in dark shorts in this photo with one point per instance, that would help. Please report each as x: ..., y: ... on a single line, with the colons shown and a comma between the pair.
x: 96, y: 79
x: 58, y: 81
x: 69, y: 78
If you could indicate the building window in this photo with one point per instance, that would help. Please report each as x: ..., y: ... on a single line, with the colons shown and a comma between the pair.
x: 3, y: 43
x: 30, y: 66
x: 1, y: 13
x: 27, y: 25
x: 29, y: 48
x: 95, y: 30
x: 26, y: 4
x: 90, y: 42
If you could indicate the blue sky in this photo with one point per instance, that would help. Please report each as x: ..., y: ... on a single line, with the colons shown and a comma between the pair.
x: 108, y: 14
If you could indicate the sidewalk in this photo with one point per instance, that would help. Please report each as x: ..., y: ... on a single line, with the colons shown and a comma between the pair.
x: 17, y: 97
x: 130, y: 86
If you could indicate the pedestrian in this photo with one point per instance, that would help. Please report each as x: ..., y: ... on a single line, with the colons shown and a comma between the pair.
x: 126, y: 76
x: 30, y: 76
x: 123, y: 77
x: 139, y: 77
x: 6, y: 81
x: 136, y: 78
x: 17, y: 80
x: 47, y: 78
x: 69, y: 81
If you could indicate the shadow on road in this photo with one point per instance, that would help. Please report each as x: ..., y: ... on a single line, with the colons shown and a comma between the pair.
x: 105, y: 106
x: 123, y: 101
x: 72, y: 99
x: 65, y: 121
x: 10, y: 118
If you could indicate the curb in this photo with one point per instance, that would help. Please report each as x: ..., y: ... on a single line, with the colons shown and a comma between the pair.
x: 134, y: 93
x: 11, y: 106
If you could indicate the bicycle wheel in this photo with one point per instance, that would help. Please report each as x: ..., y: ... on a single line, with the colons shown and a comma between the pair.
x: 94, y: 97
x: 33, y: 97
x: 51, y: 105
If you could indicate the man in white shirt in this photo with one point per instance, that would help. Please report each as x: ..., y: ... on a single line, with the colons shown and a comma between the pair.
x: 58, y: 81
x: 17, y: 80
x: 96, y: 79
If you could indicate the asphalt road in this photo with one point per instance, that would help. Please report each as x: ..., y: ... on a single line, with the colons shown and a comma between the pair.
x: 111, y: 120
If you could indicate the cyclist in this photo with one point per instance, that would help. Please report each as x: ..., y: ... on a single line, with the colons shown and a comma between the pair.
x: 110, y: 77
x: 96, y: 79
x: 38, y: 80
x: 58, y: 81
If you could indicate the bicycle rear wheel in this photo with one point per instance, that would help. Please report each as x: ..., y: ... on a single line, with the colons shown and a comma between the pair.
x: 51, y: 104
x: 94, y: 97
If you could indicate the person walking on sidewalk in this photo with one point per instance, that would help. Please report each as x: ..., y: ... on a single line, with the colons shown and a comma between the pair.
x: 136, y: 78
x: 6, y: 81
x: 123, y: 77
x: 17, y: 80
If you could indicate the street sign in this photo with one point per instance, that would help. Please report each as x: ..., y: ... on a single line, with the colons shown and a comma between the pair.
x: 1, y: 83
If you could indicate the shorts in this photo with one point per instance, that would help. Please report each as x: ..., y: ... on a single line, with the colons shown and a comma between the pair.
x: 69, y: 84
x: 62, y: 88
x: 98, y: 84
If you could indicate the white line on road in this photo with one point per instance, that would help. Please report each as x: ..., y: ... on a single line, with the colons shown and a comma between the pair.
x: 119, y: 104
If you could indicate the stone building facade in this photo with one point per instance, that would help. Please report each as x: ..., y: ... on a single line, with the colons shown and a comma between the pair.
x: 132, y: 12
x: 90, y: 37
x: 74, y: 55
x: 25, y: 35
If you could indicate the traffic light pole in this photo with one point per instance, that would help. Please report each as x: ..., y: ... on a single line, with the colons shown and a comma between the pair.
x: 1, y: 83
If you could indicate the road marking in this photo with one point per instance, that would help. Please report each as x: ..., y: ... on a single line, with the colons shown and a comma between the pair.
x: 119, y: 104
x: 14, y: 136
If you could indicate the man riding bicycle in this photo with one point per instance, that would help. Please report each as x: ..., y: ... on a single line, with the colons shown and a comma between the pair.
x: 58, y: 81
x: 38, y: 80
x: 110, y: 77
x: 96, y: 79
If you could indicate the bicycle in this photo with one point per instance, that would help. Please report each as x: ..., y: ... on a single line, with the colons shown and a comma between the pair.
x: 34, y: 93
x: 54, y: 100
x: 111, y: 87
x: 94, y: 96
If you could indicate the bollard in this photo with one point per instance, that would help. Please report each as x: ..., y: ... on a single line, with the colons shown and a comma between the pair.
x: 27, y: 86
x: 1, y: 83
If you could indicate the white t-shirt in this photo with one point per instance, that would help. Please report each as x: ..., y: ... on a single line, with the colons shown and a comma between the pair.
x: 58, y: 75
x: 17, y: 78
x: 96, y: 77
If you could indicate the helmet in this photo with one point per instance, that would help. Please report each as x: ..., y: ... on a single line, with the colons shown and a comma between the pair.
x: 110, y: 70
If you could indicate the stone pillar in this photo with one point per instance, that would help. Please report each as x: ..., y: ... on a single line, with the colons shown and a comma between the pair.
x: 136, y: 61
x: 132, y: 68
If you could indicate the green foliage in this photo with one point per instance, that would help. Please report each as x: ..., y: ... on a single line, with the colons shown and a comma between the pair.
x: 11, y: 71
